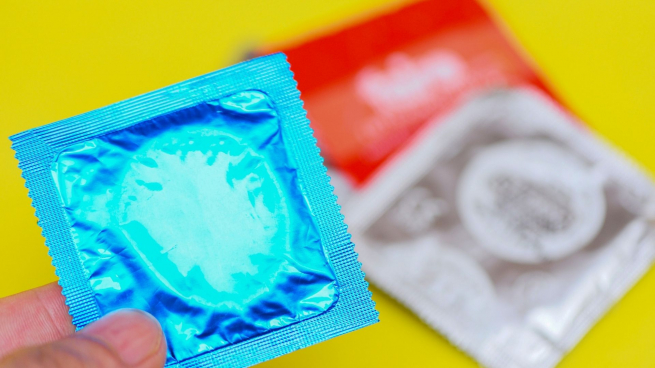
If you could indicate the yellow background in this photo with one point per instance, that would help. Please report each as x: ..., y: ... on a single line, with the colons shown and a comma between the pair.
x: 62, y: 58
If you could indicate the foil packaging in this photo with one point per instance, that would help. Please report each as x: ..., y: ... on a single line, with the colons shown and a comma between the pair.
x: 507, y: 226
x: 207, y: 205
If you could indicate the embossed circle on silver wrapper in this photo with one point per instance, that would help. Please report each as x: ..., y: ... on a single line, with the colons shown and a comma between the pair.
x: 530, y: 201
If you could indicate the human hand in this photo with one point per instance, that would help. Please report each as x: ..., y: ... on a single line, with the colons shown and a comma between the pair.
x: 36, y: 331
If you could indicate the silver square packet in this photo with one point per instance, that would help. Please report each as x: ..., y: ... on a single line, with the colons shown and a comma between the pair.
x: 508, y: 227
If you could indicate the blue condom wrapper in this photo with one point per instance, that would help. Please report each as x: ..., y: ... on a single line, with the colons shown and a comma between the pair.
x: 206, y: 204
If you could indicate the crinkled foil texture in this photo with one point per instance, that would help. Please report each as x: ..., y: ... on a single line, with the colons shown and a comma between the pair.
x: 197, y: 217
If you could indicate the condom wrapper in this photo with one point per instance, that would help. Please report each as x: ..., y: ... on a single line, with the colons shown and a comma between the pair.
x: 206, y: 204
x: 370, y: 86
x: 508, y: 227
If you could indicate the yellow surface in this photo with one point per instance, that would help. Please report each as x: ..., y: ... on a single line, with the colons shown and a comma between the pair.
x: 62, y: 58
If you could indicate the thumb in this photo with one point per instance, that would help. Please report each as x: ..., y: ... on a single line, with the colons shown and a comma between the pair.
x: 127, y: 338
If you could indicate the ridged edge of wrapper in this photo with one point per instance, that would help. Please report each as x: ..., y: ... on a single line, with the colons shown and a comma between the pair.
x: 37, y: 149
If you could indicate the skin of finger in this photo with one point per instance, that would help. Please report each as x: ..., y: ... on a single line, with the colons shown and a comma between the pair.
x: 156, y: 360
x: 80, y: 350
x: 134, y: 334
x: 32, y: 318
x: 40, y: 316
x: 74, y: 352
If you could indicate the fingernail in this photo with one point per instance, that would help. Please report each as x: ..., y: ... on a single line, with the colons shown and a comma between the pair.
x: 133, y: 334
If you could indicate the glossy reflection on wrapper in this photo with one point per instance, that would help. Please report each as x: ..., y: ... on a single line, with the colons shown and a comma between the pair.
x: 197, y: 217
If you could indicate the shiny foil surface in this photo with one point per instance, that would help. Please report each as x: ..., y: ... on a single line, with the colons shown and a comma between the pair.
x: 198, y: 217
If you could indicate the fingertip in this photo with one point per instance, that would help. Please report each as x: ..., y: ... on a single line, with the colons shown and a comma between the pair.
x: 134, y: 335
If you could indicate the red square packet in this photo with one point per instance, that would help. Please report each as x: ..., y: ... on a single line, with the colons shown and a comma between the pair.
x: 369, y: 87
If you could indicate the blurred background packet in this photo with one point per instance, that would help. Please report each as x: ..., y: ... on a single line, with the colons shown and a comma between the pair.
x: 369, y: 87
x: 512, y: 233
x: 508, y: 228
x: 206, y: 204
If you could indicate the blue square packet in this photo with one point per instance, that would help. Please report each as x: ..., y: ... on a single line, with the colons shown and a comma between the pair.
x: 206, y: 204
